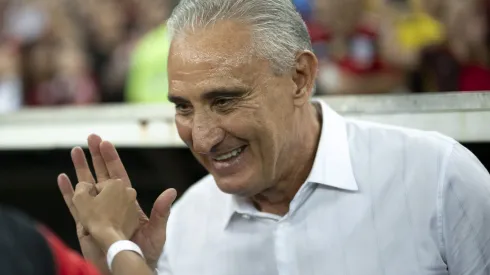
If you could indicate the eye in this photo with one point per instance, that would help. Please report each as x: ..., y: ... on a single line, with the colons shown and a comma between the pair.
x: 183, y: 109
x: 222, y: 102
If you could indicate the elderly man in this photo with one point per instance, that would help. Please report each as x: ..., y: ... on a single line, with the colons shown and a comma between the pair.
x: 294, y: 188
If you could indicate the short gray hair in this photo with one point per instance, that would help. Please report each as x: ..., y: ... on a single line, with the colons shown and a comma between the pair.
x: 278, y: 31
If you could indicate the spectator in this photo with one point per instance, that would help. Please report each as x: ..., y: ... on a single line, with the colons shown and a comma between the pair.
x: 454, y: 56
x: 28, y: 248
x: 147, y: 79
x: 11, y: 97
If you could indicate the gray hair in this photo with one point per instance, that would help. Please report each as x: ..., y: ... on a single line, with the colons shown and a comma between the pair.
x: 278, y: 31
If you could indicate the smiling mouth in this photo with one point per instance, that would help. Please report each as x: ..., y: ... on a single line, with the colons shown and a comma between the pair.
x: 230, y: 155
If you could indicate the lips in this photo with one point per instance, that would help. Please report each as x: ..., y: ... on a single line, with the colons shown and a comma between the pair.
x: 230, y: 162
x: 229, y: 155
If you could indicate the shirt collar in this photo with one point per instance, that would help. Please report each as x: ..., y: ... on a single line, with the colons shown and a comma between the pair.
x: 332, y: 166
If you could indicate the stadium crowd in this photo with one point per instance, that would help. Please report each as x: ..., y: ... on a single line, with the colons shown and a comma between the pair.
x: 58, y: 52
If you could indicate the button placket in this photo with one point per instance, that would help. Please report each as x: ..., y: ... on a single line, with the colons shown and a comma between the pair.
x: 282, y: 248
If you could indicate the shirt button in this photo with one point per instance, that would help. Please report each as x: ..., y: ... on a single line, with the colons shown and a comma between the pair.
x: 245, y: 216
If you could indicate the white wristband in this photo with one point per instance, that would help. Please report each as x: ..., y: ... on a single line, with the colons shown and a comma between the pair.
x: 119, y: 246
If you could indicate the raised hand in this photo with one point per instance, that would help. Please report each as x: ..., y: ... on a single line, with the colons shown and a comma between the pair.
x: 110, y: 216
x: 151, y: 232
x: 90, y: 250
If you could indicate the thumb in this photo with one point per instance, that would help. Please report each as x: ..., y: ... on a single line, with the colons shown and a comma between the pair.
x: 160, y: 213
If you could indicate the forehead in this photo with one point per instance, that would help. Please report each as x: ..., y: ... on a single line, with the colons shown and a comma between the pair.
x: 219, y: 41
x: 214, y: 56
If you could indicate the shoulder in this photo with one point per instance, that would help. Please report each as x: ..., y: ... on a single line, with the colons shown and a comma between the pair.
x: 466, y: 181
x: 387, y: 156
x: 464, y: 200
x: 399, y: 139
x: 23, y: 242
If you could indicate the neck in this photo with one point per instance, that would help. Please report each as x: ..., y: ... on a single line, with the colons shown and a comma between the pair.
x: 299, y: 157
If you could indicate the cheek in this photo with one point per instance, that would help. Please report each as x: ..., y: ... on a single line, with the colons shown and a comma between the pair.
x: 254, y: 126
x: 243, y: 123
x: 184, y: 128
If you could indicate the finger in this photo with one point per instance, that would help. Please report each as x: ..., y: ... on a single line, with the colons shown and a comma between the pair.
x: 83, y: 195
x: 110, y: 186
x: 105, y: 184
x: 100, y: 168
x: 131, y: 193
x: 81, y: 166
x: 113, y: 162
x: 101, y: 186
x: 161, y: 211
x: 115, y: 189
x: 67, y: 191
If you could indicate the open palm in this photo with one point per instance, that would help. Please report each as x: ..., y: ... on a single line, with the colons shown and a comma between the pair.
x: 151, y: 233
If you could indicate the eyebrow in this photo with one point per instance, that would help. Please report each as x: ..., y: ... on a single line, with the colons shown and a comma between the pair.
x: 213, y: 94
x: 177, y: 99
x: 224, y: 92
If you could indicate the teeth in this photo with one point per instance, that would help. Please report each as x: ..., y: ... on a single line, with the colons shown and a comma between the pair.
x: 229, y: 155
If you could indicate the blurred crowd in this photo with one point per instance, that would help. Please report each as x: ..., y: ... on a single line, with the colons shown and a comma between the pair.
x: 381, y: 46
x: 55, y: 52
x: 58, y: 52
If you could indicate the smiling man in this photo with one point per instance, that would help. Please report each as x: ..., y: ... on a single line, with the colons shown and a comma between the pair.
x: 294, y: 188
x: 249, y: 124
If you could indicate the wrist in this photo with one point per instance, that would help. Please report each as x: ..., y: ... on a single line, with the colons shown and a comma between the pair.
x: 121, y: 247
x: 106, y: 237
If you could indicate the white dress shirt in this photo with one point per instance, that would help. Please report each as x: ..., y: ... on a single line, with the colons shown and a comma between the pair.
x: 380, y: 200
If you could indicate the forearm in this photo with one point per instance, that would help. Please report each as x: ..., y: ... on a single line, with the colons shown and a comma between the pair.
x: 125, y: 262
x: 130, y: 263
x: 99, y: 263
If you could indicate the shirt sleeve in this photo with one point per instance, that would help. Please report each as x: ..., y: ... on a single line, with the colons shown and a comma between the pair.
x: 465, y: 214
x: 68, y: 262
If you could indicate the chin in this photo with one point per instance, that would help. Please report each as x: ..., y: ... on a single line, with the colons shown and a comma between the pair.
x: 235, y: 185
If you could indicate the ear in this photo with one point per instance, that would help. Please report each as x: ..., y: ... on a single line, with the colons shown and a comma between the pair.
x: 304, y: 76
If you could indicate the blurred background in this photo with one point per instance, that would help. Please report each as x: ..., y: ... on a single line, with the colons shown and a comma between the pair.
x: 79, y: 52
x: 60, y: 56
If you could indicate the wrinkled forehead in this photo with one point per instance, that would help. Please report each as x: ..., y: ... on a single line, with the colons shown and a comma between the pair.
x: 220, y: 54
x: 224, y: 41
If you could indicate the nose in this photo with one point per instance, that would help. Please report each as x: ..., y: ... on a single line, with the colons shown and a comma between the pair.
x: 206, y: 133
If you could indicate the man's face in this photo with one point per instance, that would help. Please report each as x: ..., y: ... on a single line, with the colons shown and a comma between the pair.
x: 232, y: 111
